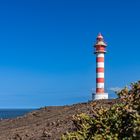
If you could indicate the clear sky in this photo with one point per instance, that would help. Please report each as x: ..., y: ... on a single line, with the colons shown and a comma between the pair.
x: 46, y: 53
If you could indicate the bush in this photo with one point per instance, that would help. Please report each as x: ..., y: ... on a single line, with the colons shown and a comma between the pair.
x: 119, y: 122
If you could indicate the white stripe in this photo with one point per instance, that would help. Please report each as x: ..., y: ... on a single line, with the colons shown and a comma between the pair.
x: 100, y: 75
x: 100, y: 54
x: 100, y: 64
x: 100, y: 85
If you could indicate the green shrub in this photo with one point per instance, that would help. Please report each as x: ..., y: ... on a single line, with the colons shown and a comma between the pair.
x: 119, y: 122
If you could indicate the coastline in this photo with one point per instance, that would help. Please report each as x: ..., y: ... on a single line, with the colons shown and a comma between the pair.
x: 48, y: 123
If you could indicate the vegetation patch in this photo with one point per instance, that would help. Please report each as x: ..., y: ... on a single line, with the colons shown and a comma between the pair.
x: 119, y: 122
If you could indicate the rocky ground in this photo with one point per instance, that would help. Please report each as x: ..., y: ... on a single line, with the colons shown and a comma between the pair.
x: 47, y: 123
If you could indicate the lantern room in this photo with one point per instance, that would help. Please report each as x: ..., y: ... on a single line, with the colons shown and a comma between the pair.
x: 100, y: 45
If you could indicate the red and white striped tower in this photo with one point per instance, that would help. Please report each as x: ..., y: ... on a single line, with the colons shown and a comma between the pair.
x: 100, y: 46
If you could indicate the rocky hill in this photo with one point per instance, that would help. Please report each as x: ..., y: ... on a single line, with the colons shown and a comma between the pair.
x: 47, y: 123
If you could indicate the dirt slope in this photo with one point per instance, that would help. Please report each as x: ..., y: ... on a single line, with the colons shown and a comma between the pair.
x: 47, y: 123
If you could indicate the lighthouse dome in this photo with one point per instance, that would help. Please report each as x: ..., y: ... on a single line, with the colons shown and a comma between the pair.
x: 100, y: 41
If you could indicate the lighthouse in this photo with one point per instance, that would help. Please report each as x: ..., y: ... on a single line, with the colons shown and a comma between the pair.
x: 100, y: 50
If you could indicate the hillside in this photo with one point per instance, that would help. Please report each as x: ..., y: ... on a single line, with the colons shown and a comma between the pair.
x: 47, y: 123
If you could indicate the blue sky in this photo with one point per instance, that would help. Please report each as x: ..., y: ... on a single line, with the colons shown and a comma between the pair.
x: 46, y: 53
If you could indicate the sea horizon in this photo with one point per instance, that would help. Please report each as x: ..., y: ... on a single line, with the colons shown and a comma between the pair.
x: 13, y: 113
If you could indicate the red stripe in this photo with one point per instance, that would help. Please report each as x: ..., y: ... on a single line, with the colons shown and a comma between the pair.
x: 99, y: 90
x: 100, y: 48
x: 99, y: 59
x: 99, y: 70
x: 99, y: 80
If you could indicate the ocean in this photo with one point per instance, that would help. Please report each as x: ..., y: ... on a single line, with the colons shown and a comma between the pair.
x: 13, y: 113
